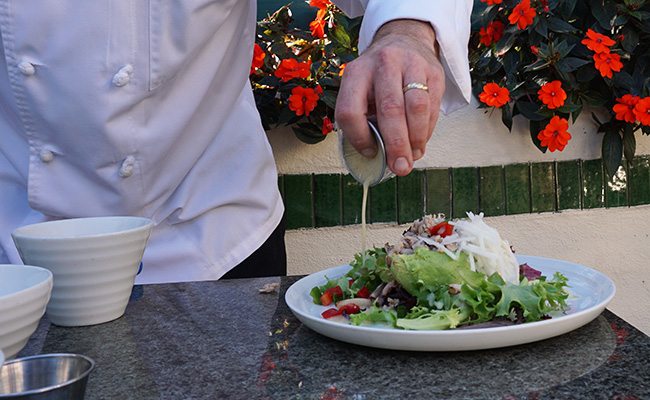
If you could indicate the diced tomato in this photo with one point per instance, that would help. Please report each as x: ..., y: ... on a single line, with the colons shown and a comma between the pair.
x: 332, y: 312
x: 364, y: 293
x: 350, y: 282
x: 350, y: 309
x: 329, y: 295
x: 443, y: 229
x: 326, y: 299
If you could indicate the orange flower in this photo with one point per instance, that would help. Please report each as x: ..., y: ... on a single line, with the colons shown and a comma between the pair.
x: 290, y: 68
x: 258, y: 58
x: 317, y: 26
x: 492, y: 33
x: 302, y: 100
x: 342, y: 69
x: 522, y: 15
x: 555, y: 135
x: 625, y: 108
x: 321, y: 4
x: 327, y: 126
x: 494, y: 95
x: 491, y: 2
x: 642, y: 111
x: 597, y: 42
x: 552, y: 94
x: 607, y: 62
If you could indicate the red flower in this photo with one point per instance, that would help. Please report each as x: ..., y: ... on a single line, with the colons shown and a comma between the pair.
x: 491, y: 2
x: 555, y: 135
x: 258, y: 58
x: 625, y: 108
x: 597, y: 42
x: 552, y: 94
x: 494, y: 95
x: 642, y: 111
x: 302, y: 100
x: 327, y: 126
x: 321, y: 4
x: 317, y: 26
x: 534, y: 49
x: 522, y: 15
x: 492, y: 33
x: 607, y: 62
x: 290, y: 68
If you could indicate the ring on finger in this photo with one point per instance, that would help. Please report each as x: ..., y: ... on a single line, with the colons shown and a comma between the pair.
x: 415, y: 85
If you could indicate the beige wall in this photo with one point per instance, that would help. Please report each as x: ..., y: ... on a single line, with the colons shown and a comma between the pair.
x: 614, y: 241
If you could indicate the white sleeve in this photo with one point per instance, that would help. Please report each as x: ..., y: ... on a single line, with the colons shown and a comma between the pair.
x: 450, y: 20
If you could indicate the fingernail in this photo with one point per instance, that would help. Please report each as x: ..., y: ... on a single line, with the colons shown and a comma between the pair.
x: 369, y: 152
x: 401, y: 165
x: 417, y: 154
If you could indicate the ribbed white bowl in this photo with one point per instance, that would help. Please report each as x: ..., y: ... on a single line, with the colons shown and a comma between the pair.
x: 94, y: 262
x: 24, y: 293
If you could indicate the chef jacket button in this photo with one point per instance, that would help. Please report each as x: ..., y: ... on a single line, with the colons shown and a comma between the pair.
x: 46, y: 155
x: 26, y: 68
x: 127, y: 167
x: 123, y: 76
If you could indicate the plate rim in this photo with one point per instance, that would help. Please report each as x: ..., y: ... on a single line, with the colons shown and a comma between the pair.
x: 567, y: 322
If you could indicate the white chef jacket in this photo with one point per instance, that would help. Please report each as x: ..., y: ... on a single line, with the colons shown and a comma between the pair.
x: 144, y: 108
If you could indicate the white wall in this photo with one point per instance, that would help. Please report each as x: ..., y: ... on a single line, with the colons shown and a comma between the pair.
x: 614, y: 241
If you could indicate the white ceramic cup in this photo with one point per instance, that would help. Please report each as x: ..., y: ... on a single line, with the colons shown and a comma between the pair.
x: 94, y: 262
x: 24, y: 293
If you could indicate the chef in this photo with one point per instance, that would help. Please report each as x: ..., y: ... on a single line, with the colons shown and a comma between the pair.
x: 144, y: 108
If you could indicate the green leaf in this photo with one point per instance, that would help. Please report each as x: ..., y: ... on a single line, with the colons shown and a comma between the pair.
x: 612, y: 151
x: 309, y: 136
x: 630, y: 40
x: 529, y: 110
x: 569, y: 64
x: 506, y: 115
x: 535, y: 128
x: 559, y: 26
x: 629, y: 142
x: 604, y: 12
x: 339, y: 35
x: 505, y: 43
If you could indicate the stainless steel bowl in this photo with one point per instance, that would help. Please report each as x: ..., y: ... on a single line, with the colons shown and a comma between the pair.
x: 46, y: 377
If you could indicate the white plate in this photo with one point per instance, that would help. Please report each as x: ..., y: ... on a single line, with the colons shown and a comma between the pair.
x: 591, y: 292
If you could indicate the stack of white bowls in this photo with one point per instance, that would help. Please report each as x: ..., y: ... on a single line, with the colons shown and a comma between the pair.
x: 24, y: 293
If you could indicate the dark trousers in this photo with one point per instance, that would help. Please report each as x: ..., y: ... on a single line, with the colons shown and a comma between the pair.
x: 269, y: 260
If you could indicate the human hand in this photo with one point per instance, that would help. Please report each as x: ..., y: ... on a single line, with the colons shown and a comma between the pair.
x: 402, y: 52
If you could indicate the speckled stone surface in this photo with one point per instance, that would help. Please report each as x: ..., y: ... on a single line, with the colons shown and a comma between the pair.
x: 225, y: 340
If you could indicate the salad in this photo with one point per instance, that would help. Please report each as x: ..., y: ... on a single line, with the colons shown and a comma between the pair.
x: 442, y: 274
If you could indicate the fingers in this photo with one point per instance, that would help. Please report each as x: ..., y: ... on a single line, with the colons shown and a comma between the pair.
x: 352, y: 107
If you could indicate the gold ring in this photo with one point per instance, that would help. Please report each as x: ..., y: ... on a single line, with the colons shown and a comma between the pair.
x: 415, y: 85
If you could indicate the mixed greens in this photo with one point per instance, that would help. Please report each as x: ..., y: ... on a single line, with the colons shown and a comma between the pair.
x: 417, y: 285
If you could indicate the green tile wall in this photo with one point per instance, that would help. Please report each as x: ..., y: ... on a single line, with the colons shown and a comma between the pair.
x: 542, y: 187
x: 639, y: 182
x: 491, y: 191
x: 324, y: 200
x: 327, y: 200
x: 438, y: 191
x: 410, y: 196
x: 593, y: 184
x: 464, y: 191
x: 517, y: 188
x: 568, y: 193
x: 298, y: 201
x: 352, y: 196
x: 616, y: 189
x: 383, y: 201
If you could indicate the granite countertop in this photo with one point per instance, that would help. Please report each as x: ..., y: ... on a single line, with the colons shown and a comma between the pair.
x: 225, y: 340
